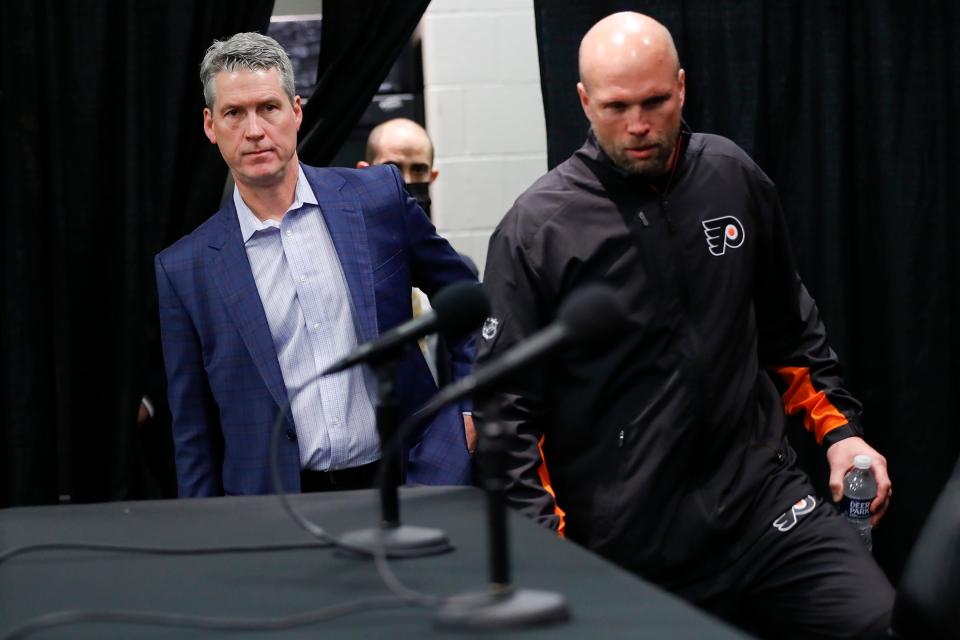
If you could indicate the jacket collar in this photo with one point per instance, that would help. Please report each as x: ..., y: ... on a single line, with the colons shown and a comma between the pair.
x: 609, y: 173
x: 230, y: 269
x: 322, y: 185
x: 250, y: 224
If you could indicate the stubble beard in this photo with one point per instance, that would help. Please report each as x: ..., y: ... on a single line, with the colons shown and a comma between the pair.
x: 652, y: 167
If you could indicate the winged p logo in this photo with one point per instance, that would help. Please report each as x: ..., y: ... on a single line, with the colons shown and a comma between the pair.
x: 723, y: 232
x: 788, y: 519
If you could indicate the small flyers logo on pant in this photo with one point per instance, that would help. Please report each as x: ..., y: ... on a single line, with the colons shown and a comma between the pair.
x: 788, y: 519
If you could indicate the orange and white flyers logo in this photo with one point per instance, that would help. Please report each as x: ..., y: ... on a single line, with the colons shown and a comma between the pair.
x: 723, y: 232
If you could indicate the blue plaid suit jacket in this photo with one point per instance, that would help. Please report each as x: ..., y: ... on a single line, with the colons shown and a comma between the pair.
x: 224, y: 381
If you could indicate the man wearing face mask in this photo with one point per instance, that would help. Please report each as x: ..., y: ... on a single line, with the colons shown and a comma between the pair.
x: 406, y: 145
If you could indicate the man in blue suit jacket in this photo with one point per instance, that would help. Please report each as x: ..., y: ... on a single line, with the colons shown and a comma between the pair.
x: 300, y: 267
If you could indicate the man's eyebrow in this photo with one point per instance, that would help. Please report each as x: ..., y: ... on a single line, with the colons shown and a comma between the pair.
x: 258, y: 103
x: 660, y: 97
x: 230, y: 106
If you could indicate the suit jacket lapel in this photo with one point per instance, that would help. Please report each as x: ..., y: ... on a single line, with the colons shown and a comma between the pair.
x: 344, y: 219
x: 231, y: 271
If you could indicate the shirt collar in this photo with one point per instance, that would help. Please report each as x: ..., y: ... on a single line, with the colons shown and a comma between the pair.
x: 250, y: 223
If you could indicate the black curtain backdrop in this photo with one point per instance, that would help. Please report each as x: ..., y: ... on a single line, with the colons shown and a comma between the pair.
x: 104, y: 164
x: 851, y: 108
x: 359, y: 41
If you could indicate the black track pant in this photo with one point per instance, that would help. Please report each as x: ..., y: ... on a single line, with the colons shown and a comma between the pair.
x: 816, y: 580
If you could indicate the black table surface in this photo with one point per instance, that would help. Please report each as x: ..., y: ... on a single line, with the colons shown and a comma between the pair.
x: 605, y: 601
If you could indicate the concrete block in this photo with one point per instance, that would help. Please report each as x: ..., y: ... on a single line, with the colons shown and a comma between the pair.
x: 517, y: 49
x: 504, y: 119
x: 445, y: 121
x: 460, y: 50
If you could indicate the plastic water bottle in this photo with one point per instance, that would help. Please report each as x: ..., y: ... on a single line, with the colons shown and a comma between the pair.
x: 859, y: 490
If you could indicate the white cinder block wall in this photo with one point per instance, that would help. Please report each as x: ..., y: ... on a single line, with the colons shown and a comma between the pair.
x: 484, y: 112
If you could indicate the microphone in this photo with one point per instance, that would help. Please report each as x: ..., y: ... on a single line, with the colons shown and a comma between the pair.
x: 589, y: 316
x: 457, y: 309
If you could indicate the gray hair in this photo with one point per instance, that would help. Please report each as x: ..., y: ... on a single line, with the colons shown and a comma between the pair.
x: 250, y: 51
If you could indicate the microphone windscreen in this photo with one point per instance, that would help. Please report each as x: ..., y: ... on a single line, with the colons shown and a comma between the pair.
x: 460, y: 307
x: 593, y: 314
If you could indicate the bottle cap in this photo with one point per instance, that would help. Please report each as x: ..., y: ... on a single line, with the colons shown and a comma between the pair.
x: 862, y: 461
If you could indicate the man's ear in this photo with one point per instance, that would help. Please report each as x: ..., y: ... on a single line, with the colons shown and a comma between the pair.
x: 433, y: 174
x: 297, y: 111
x: 682, y: 84
x: 208, y: 126
x: 584, y: 99
x: 362, y: 164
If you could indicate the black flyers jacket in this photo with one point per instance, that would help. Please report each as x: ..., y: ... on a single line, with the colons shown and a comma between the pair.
x: 666, y: 452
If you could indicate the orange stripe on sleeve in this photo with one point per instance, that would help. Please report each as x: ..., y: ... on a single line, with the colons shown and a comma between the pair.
x: 820, y: 417
x: 545, y: 481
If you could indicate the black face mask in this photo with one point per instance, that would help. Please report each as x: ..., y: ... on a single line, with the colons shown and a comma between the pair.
x: 421, y: 193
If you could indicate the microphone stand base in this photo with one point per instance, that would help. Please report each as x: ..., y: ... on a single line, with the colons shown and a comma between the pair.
x: 401, y: 541
x: 513, y: 609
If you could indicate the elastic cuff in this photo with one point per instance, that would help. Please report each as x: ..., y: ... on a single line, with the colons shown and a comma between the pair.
x: 840, y: 433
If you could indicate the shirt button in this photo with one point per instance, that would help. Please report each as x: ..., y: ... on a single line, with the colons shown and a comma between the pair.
x: 316, y: 325
x: 303, y: 278
x: 335, y: 422
x: 289, y: 232
x: 291, y: 435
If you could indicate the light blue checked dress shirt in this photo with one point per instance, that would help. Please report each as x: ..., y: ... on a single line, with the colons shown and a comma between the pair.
x: 308, y: 308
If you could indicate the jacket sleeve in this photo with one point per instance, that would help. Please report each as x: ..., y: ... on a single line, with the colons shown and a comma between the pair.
x: 438, y: 454
x: 518, y: 401
x: 793, y: 343
x: 434, y: 265
x: 198, y: 441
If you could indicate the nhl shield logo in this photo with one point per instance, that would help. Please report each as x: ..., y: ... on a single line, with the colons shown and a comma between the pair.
x: 490, y: 328
x: 723, y: 232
